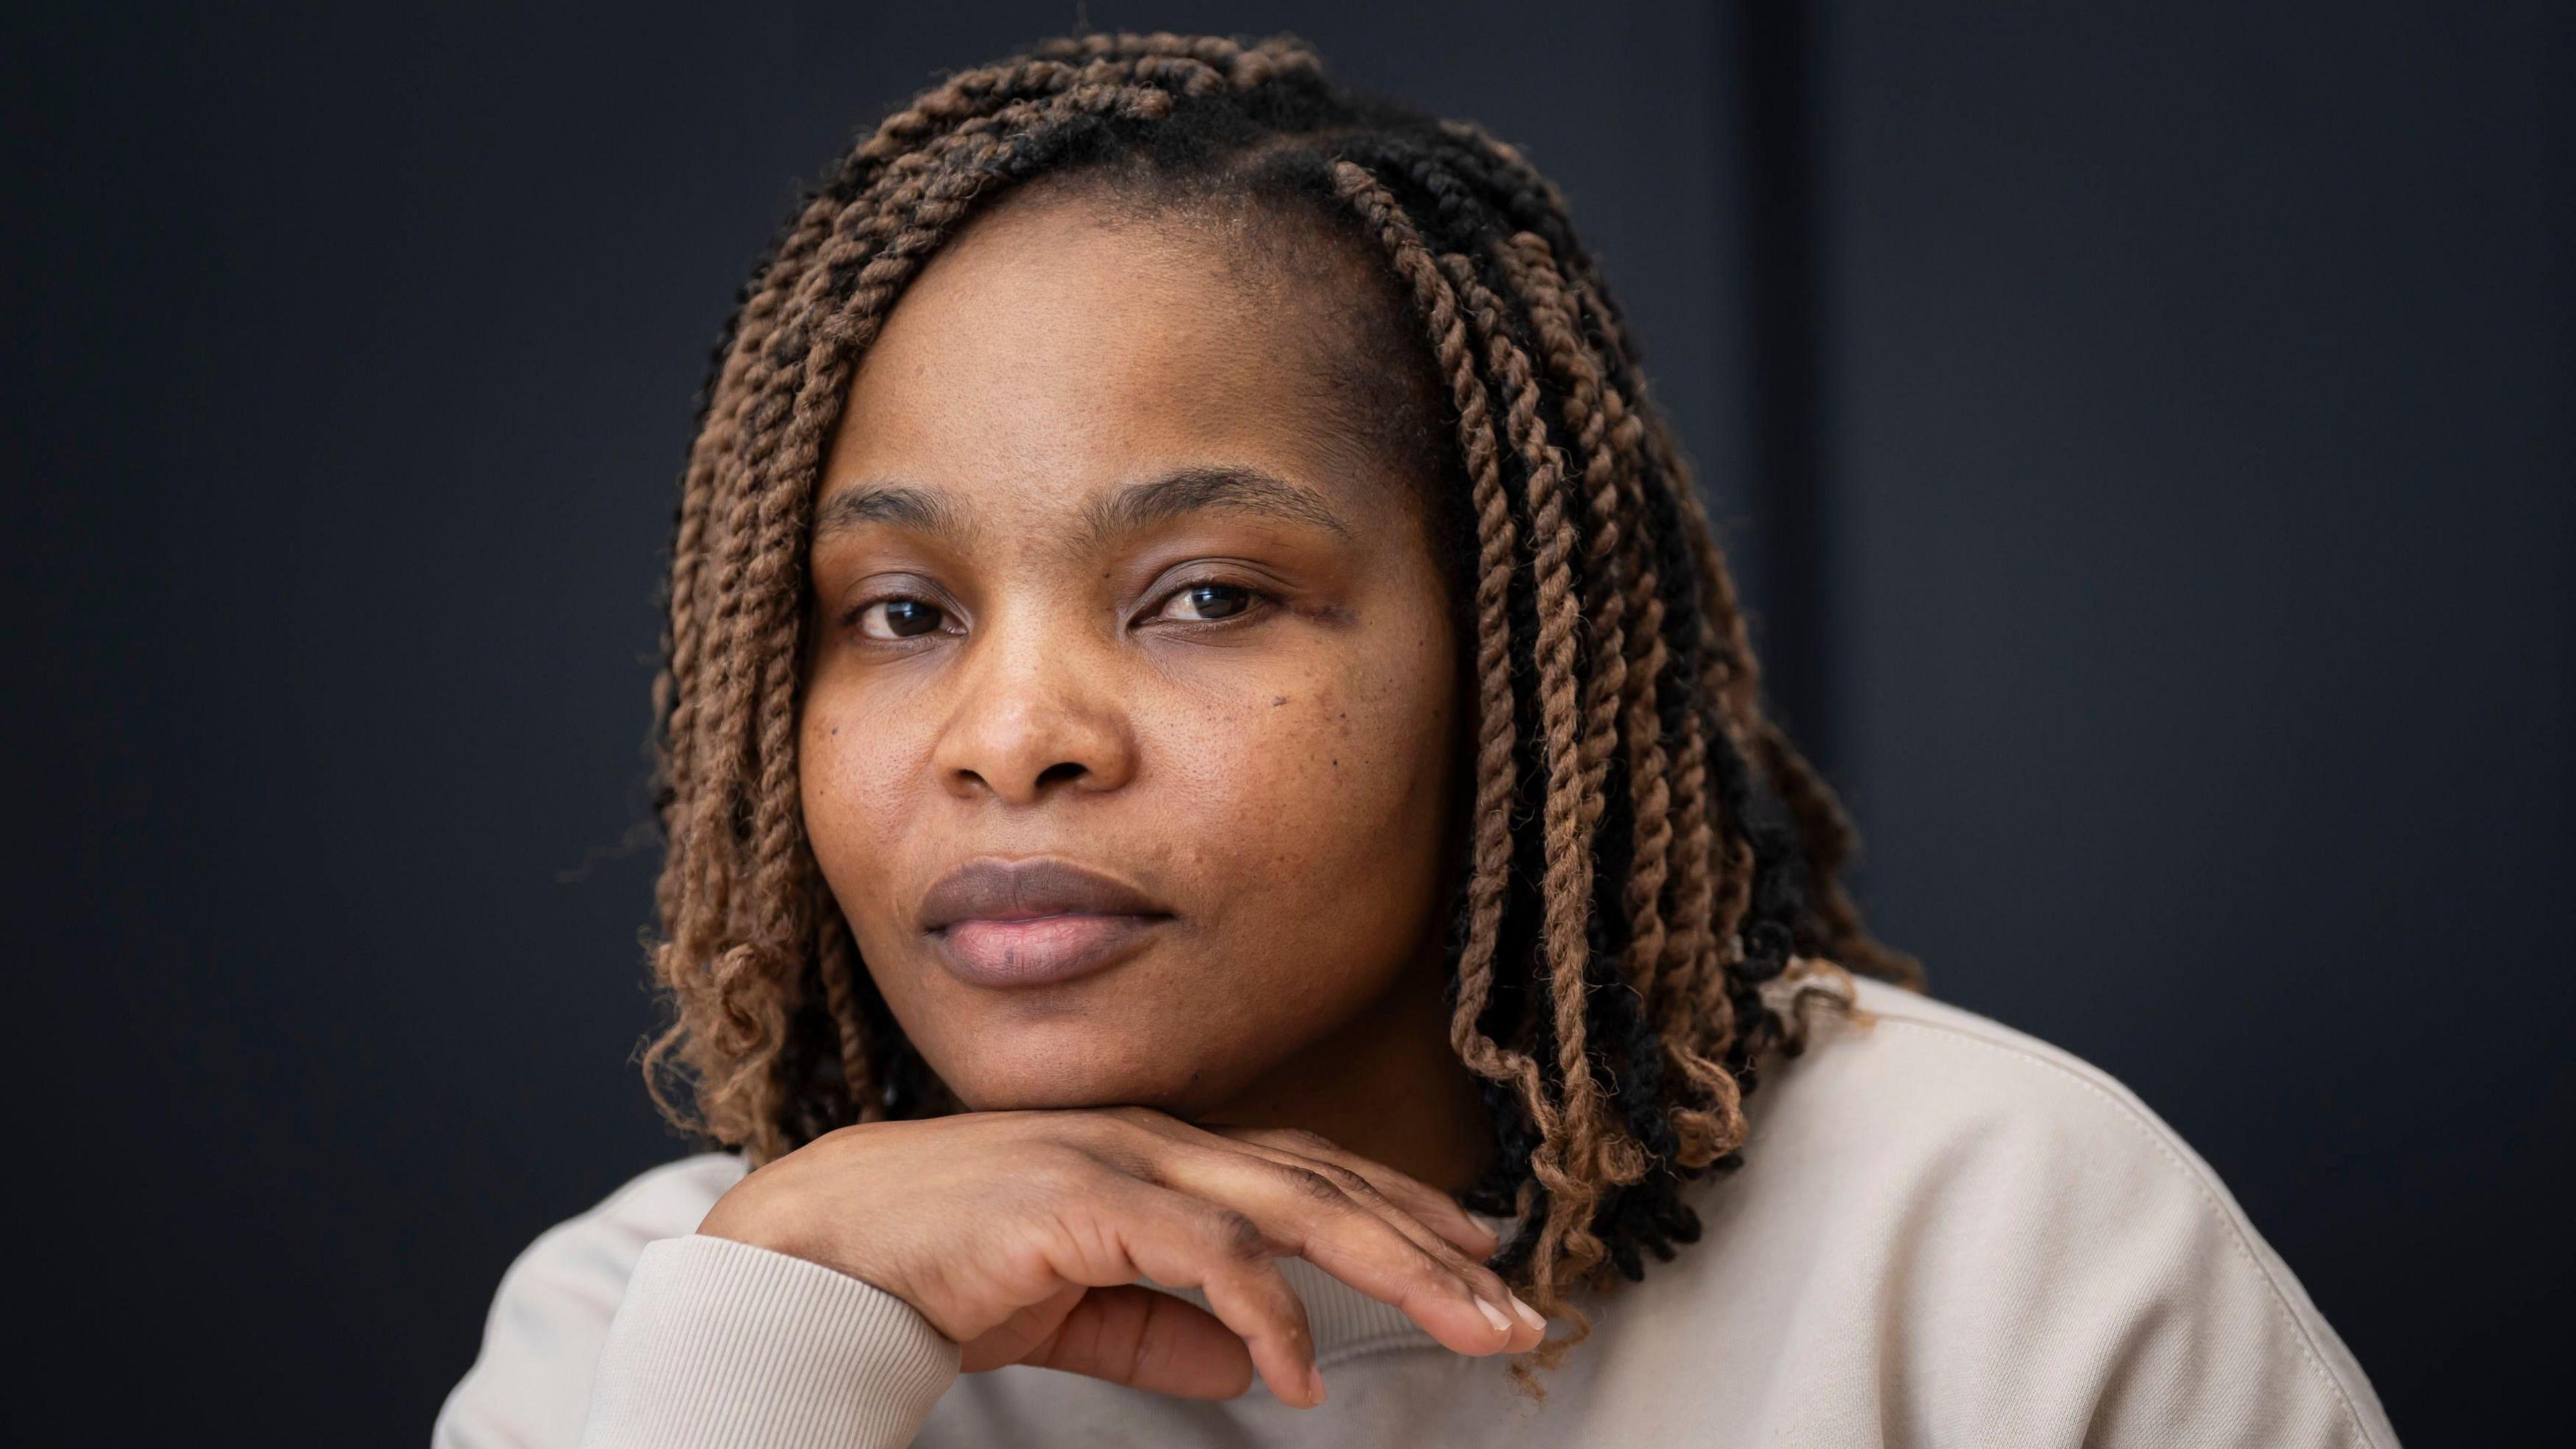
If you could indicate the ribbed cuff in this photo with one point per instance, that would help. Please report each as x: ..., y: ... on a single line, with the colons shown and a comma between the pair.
x: 721, y: 1344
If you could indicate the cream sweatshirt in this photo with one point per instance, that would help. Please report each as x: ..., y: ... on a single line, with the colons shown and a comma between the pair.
x: 1945, y: 1232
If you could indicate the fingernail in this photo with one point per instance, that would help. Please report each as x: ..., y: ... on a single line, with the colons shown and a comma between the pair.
x: 1495, y: 1317
x: 1317, y: 1376
x: 1528, y: 1314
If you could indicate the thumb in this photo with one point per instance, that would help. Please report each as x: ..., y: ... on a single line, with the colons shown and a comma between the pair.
x: 1130, y: 1335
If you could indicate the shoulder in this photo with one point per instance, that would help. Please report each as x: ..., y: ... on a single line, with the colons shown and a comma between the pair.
x: 1915, y: 1100
x: 1929, y: 1080
x: 1934, y: 1066
x: 2022, y: 1236
x: 550, y: 1313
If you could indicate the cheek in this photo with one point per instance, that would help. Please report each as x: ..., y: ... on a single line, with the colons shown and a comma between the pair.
x: 1317, y: 811
x: 859, y: 778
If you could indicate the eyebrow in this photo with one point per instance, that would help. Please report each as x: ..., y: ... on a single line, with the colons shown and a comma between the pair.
x: 1136, y: 506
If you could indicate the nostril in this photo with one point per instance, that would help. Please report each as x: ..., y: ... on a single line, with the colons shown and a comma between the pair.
x: 1066, y: 770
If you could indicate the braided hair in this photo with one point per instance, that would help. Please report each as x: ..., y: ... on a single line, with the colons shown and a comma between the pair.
x: 1650, y: 895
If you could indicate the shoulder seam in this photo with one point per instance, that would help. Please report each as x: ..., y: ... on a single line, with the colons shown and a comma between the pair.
x: 2235, y: 1231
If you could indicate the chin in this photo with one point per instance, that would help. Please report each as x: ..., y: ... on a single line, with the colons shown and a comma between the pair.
x: 1013, y: 1093
x: 1068, y: 1072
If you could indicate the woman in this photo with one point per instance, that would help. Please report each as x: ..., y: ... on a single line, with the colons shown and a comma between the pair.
x: 1223, y: 835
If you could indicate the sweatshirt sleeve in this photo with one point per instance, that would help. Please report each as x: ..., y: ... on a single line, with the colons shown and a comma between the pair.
x: 720, y: 1343
x: 624, y: 1327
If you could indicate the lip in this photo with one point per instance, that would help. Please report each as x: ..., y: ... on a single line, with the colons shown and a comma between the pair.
x: 998, y: 922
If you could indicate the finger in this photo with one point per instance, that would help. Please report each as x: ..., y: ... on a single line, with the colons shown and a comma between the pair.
x: 1524, y: 1327
x: 1188, y: 1242
x: 1014, y: 1338
x: 1437, y: 1209
x: 1149, y: 1340
x: 1428, y: 1205
x: 1370, y: 1182
x: 1306, y: 1213
x: 1470, y: 1266
x: 1466, y: 1259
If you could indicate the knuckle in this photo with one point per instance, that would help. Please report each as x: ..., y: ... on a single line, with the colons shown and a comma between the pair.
x: 1107, y: 1125
x: 1298, y: 1139
x: 1128, y: 1162
x: 1294, y: 1334
x: 1062, y: 1168
x: 1239, y: 1237
x: 1134, y: 1118
x: 1310, y: 1184
x: 1121, y: 1141
x: 1429, y: 1269
x: 1349, y: 1181
x: 1077, y: 1133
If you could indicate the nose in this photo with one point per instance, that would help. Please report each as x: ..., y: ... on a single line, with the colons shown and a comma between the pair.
x: 1037, y: 711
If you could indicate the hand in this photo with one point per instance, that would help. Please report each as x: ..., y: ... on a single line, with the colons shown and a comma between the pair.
x: 1018, y: 1235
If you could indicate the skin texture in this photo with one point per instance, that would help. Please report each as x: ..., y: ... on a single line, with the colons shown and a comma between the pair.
x: 1274, y: 758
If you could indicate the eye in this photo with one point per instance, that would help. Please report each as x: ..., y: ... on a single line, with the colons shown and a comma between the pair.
x: 1210, y: 601
x: 904, y: 618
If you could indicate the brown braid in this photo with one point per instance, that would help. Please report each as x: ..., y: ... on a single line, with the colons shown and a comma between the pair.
x: 1607, y: 436
x: 1647, y: 854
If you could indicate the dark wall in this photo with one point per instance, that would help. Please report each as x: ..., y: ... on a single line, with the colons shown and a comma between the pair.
x: 2201, y: 586
x: 2148, y: 449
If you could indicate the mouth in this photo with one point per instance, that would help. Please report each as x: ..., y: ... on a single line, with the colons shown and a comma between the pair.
x: 993, y: 921
x: 1038, y: 950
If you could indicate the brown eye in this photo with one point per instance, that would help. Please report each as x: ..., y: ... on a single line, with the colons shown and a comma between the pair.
x: 904, y: 618
x: 1209, y: 602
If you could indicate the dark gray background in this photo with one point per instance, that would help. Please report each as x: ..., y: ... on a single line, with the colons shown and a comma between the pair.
x: 2146, y: 439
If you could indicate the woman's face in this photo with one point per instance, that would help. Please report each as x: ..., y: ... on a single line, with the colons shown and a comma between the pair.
x: 1093, y: 587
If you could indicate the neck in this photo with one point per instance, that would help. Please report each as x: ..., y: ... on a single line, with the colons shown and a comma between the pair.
x: 1387, y: 1086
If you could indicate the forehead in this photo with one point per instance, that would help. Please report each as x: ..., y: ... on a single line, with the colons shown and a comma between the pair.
x: 1058, y: 348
